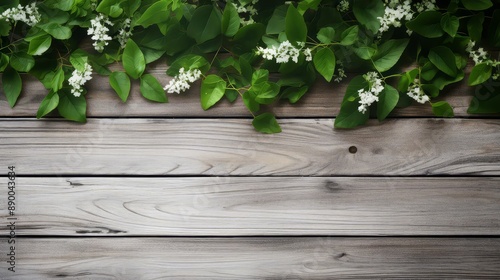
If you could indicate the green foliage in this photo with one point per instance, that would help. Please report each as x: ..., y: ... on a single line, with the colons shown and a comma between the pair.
x: 246, y: 55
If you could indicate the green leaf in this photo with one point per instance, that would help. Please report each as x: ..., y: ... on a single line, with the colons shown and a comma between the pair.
x: 63, y: 5
x: 151, y: 89
x: 494, y: 29
x: 486, y: 100
x: 230, y: 21
x: 265, y: 93
x: 293, y: 94
x: 12, y: 85
x: 212, y: 90
x: 110, y: 8
x: 367, y: 13
x: 247, y: 38
x: 4, y: 61
x: 305, y: 5
x: 326, y: 35
x: 475, y: 26
x: 133, y: 60
x: 388, y: 99
x: 266, y: 123
x: 295, y: 26
x: 49, y: 103
x: 57, y: 81
x: 442, y: 109
x: 349, y: 36
x: 71, y: 107
x: 365, y: 52
x: 450, y: 24
x: 205, y: 24
x: 155, y: 14
x: 78, y: 59
x: 480, y: 74
x: 444, y: 59
x: 22, y: 62
x: 324, y: 62
x: 477, y: 5
x: 39, y: 45
x: 130, y: 6
x: 277, y: 23
x: 442, y: 80
x: 190, y: 61
x: 231, y: 95
x: 57, y: 31
x: 349, y: 116
x: 120, y: 82
x: 427, y: 24
x: 250, y: 102
x: 388, y: 54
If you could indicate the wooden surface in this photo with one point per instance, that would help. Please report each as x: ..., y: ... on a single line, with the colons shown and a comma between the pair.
x: 168, y: 191
x: 258, y: 258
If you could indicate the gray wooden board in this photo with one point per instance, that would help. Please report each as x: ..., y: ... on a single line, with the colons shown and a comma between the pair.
x: 323, y: 100
x: 255, y: 258
x: 306, y: 147
x: 243, y: 206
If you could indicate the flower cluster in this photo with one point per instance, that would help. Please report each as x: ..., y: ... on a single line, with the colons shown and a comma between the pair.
x: 393, y: 14
x: 28, y: 14
x: 181, y: 82
x: 343, y: 6
x: 284, y: 52
x: 367, y: 97
x: 415, y: 92
x: 479, y: 55
x: 246, y: 8
x: 79, y: 78
x: 397, y: 10
x: 98, y: 30
x: 340, y: 72
x: 124, y: 33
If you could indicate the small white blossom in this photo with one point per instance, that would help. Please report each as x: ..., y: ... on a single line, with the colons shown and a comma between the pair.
x: 340, y: 72
x: 79, y: 78
x: 495, y: 76
x: 343, y: 6
x: 248, y: 9
x: 181, y: 82
x: 393, y: 14
x: 415, y: 92
x: 426, y: 5
x: 28, y: 14
x: 99, y: 31
x: 368, y: 97
x: 285, y: 52
x: 124, y: 33
x: 479, y: 55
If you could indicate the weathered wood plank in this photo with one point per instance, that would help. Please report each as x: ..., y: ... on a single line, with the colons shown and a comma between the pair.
x: 256, y: 258
x: 236, y: 206
x: 307, y: 147
x: 322, y: 101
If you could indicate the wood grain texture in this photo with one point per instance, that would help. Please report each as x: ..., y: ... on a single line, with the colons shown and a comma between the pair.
x: 235, y: 206
x: 256, y: 258
x: 215, y: 147
x: 323, y: 100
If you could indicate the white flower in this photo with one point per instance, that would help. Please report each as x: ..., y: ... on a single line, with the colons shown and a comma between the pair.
x: 99, y: 31
x: 79, y: 78
x: 181, y: 82
x: 248, y: 9
x: 426, y: 5
x: 124, y: 33
x: 28, y: 14
x: 285, y: 52
x: 343, y: 6
x: 479, y: 55
x: 368, y: 97
x: 415, y: 92
x: 340, y: 72
x: 495, y: 76
x: 393, y: 14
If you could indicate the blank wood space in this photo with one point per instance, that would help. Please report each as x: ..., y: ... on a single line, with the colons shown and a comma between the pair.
x: 234, y: 206
x: 307, y: 147
x: 256, y: 258
x: 323, y: 100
